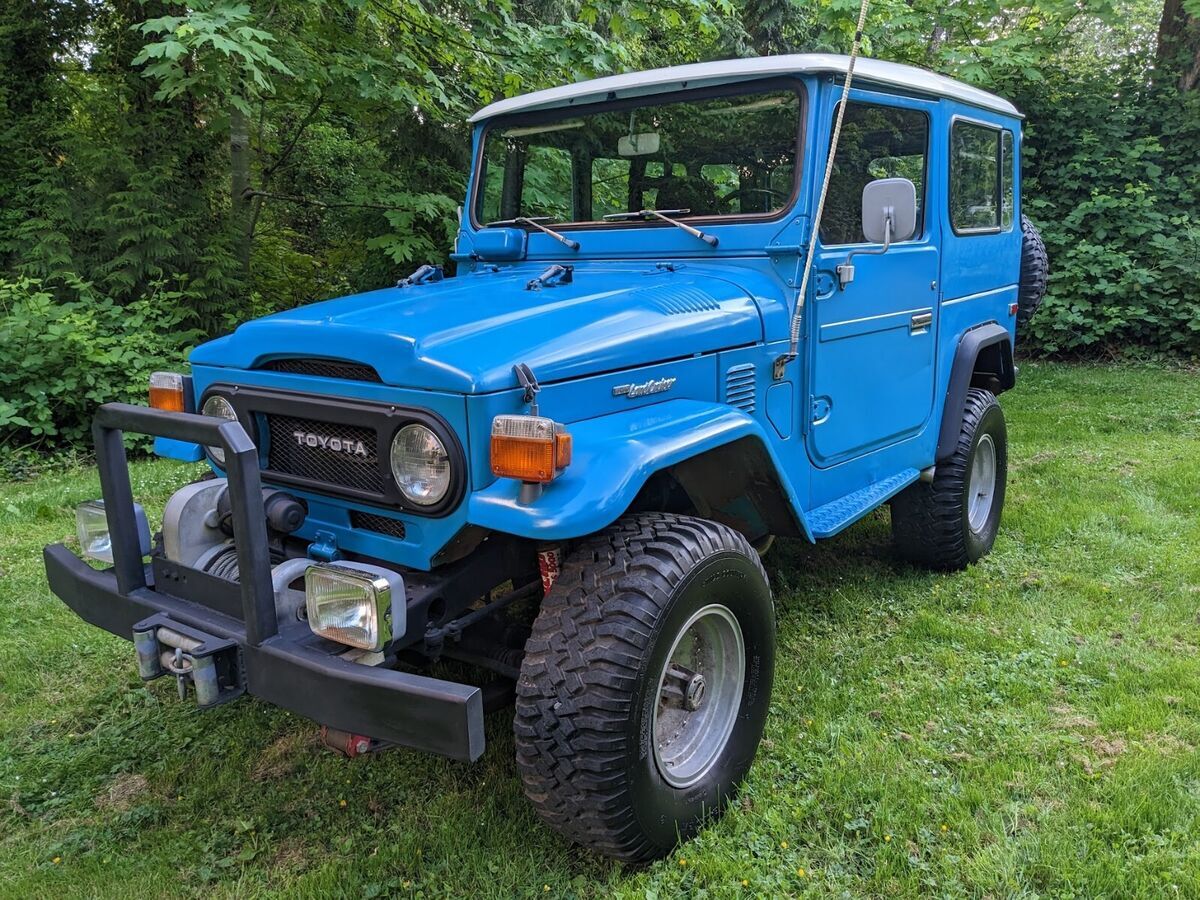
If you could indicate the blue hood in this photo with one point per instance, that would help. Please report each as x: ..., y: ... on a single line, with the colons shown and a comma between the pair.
x: 465, y: 334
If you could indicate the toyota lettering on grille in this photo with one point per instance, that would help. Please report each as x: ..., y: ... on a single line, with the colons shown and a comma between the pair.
x: 332, y: 444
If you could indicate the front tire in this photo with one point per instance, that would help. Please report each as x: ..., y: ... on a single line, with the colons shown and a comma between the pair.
x: 952, y: 522
x: 645, y: 684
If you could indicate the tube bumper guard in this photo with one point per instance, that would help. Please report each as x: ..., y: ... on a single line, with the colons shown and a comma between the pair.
x: 296, y: 671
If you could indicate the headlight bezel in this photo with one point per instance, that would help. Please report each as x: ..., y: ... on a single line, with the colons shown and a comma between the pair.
x: 253, y: 404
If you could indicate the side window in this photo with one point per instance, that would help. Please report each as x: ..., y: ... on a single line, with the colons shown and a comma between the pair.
x: 1006, y: 179
x: 981, y: 178
x: 876, y: 142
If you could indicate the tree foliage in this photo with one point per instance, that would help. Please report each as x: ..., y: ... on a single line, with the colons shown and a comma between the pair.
x: 225, y: 158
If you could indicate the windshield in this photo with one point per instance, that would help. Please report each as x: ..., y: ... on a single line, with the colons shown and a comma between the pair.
x: 731, y: 155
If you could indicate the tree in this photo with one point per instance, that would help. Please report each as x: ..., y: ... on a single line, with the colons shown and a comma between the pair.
x: 1178, y: 56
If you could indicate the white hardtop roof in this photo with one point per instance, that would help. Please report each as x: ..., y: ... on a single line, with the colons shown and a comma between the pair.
x: 655, y: 81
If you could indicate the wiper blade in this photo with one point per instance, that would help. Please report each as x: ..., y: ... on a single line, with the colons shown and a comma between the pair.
x: 664, y: 215
x: 535, y: 222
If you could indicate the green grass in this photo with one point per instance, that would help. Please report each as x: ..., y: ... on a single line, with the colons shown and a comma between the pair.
x: 1027, y: 727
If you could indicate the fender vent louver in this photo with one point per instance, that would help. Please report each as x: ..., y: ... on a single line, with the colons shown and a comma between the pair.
x: 740, y: 386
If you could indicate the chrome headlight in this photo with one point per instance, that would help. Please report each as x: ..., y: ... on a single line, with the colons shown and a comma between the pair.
x: 221, y: 408
x: 420, y: 465
x: 91, y: 527
x: 355, y: 604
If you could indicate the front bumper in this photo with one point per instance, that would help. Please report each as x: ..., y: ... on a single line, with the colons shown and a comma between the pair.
x: 292, y: 669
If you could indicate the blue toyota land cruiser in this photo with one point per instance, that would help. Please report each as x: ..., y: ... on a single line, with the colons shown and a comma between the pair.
x: 693, y: 309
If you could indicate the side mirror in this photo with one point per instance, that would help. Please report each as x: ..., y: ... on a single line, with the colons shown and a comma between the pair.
x: 889, y: 198
x: 889, y: 213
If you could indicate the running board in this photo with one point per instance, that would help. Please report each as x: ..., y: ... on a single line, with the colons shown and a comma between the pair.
x: 826, y: 521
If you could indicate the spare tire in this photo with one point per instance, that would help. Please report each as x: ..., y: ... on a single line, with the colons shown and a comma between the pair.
x: 1035, y: 270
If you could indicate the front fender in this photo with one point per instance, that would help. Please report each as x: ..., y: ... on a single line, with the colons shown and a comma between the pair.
x: 614, y: 456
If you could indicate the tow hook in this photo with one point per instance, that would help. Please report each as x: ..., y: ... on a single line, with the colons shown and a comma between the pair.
x: 350, y: 745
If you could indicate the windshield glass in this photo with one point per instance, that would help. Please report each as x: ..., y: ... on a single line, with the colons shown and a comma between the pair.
x: 732, y: 155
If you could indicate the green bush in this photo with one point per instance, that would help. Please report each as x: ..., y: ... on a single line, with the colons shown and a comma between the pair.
x: 1112, y: 177
x: 65, y: 349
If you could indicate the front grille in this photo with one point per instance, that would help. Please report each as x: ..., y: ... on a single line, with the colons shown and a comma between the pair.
x: 328, y: 452
x: 381, y: 524
x: 325, y: 368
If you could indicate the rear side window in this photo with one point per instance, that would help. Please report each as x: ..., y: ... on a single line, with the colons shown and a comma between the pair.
x: 876, y: 142
x: 981, y: 178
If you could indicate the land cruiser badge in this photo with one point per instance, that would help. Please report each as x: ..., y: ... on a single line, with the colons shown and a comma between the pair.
x: 653, y: 386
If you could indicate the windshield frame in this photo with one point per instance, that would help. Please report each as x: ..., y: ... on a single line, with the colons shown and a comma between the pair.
x: 746, y: 87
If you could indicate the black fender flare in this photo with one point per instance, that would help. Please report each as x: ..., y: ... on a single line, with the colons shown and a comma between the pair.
x: 984, y: 358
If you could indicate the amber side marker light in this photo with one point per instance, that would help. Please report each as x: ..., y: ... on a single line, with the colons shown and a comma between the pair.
x: 530, y: 448
x: 166, y: 391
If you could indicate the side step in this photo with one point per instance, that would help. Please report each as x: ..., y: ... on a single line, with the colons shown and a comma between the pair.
x: 826, y: 521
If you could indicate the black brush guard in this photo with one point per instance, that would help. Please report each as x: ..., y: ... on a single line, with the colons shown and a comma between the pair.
x: 296, y: 670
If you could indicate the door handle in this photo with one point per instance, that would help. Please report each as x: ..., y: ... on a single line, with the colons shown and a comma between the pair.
x: 919, y: 324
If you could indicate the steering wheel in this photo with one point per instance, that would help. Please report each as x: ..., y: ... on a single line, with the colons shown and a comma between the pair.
x: 727, y: 201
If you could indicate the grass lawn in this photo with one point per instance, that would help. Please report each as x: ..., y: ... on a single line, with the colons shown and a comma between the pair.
x: 1026, y: 727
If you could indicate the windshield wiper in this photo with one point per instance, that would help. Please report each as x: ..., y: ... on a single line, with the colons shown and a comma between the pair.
x: 709, y: 239
x: 536, y: 222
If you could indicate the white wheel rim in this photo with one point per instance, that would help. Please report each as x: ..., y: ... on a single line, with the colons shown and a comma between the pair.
x: 981, y: 488
x: 699, y: 694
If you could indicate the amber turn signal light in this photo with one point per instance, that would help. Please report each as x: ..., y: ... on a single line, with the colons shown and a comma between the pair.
x: 529, y: 448
x: 166, y: 391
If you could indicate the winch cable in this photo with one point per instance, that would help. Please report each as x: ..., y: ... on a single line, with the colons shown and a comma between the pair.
x: 802, y: 284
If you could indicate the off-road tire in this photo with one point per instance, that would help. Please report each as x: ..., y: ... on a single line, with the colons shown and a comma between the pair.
x: 1035, y: 271
x: 590, y: 679
x: 930, y: 522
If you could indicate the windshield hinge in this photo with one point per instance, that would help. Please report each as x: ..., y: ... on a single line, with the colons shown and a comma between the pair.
x: 426, y: 274
x: 552, y: 277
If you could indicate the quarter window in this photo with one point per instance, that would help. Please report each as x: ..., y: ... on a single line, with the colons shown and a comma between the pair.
x: 981, y: 178
x: 876, y: 142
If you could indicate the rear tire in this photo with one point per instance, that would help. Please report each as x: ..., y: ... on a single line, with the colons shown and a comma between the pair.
x: 645, y: 684
x: 952, y: 522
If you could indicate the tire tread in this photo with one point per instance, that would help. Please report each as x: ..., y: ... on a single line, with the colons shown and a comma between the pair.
x: 927, y: 519
x: 581, y: 668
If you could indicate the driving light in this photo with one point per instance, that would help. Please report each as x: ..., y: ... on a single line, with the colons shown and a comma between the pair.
x: 352, y: 603
x: 222, y: 409
x: 166, y: 391
x: 531, y: 448
x: 420, y: 465
x: 91, y: 527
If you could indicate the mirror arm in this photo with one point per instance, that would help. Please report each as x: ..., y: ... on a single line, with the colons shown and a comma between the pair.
x: 845, y: 271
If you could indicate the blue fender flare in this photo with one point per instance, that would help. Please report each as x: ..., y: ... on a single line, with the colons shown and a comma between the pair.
x: 991, y: 342
x: 614, y: 456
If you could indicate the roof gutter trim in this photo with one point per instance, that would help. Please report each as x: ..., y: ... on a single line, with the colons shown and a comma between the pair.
x: 654, y: 81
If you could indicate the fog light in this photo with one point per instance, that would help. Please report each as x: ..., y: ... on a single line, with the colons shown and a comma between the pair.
x: 91, y: 527
x: 355, y: 604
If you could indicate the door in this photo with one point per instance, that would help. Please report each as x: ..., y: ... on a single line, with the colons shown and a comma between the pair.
x: 872, y: 341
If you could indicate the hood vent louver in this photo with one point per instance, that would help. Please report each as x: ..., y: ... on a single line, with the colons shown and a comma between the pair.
x: 741, y: 387
x: 324, y: 368
x: 674, y: 301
